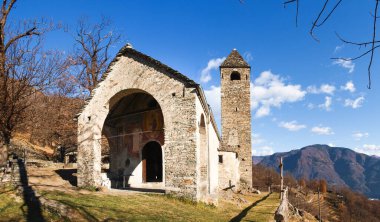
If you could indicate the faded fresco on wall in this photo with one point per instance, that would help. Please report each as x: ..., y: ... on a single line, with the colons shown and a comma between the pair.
x: 129, y: 135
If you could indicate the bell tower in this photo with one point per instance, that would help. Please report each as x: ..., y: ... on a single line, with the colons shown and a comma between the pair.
x: 236, y: 113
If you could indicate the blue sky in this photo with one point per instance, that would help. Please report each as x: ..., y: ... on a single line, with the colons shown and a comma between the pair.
x: 299, y: 95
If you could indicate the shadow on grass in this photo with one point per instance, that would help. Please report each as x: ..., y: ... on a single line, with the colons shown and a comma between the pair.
x: 87, y: 215
x: 68, y: 174
x: 33, y: 204
x: 244, y: 213
x: 144, y: 190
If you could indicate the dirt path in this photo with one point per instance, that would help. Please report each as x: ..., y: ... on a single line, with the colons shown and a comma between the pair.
x: 51, y: 178
x: 56, y: 177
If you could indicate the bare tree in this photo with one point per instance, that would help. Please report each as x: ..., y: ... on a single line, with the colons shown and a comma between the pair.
x: 325, y: 13
x: 24, y: 70
x: 91, y: 54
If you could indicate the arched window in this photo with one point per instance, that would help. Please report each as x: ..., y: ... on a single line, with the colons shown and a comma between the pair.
x: 235, y: 76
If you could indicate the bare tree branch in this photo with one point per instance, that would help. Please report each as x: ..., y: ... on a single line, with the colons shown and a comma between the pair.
x: 354, y: 43
x: 316, y: 21
x: 297, y: 8
x: 357, y: 57
x: 91, y: 56
x: 373, y: 45
x: 330, y: 13
x: 25, y: 70
x: 26, y: 33
x: 321, y: 20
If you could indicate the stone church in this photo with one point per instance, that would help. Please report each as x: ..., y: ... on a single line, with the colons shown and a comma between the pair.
x: 161, y: 133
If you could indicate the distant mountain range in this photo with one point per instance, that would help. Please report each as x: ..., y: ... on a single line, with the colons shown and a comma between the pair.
x: 337, y: 165
x: 257, y: 159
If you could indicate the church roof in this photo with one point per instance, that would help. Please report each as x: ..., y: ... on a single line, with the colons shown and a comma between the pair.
x: 128, y: 51
x: 234, y: 60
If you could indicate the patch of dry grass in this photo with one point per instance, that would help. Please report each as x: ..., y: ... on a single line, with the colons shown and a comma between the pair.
x: 99, y: 206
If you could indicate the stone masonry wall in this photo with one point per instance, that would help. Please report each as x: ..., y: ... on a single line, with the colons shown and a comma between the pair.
x: 208, y: 143
x: 236, y: 119
x: 228, y: 171
x: 129, y: 75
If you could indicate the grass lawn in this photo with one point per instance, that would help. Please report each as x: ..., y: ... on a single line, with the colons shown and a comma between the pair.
x: 99, y: 206
x: 12, y: 207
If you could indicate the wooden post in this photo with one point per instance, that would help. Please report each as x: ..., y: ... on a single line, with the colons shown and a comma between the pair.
x: 319, y: 206
x: 282, y: 212
x: 282, y: 177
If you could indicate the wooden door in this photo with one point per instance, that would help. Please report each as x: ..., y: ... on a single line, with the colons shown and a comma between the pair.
x: 144, y: 170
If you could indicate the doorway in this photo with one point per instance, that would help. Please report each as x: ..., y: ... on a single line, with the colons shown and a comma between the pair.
x: 152, y: 162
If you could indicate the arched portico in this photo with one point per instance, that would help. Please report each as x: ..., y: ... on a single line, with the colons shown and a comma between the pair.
x: 133, y: 76
x: 125, y: 106
x: 134, y: 128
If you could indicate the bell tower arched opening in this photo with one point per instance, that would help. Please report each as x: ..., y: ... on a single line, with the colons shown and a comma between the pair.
x: 235, y: 76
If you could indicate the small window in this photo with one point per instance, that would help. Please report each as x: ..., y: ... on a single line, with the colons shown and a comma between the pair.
x: 220, y: 158
x: 235, y: 76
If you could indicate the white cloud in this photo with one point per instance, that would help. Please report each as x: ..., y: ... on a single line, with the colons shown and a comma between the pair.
x: 248, y: 56
x: 310, y: 106
x: 262, y: 111
x: 213, y: 98
x: 327, y: 104
x: 256, y: 138
x: 324, y: 88
x: 320, y: 130
x: 360, y: 135
x: 331, y: 145
x: 269, y: 90
x: 349, y: 87
x: 357, y: 103
x: 262, y: 151
x: 347, y: 64
x: 211, y: 65
x: 369, y: 149
x: 338, y: 48
x: 312, y: 89
x: 291, y: 126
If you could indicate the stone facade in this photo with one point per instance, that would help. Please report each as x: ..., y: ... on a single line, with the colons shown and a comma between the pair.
x: 186, y: 147
x: 229, y: 175
x: 236, y: 113
x: 161, y: 132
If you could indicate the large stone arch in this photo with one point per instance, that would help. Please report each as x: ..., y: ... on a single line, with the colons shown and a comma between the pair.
x: 131, y: 74
x: 135, y: 119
